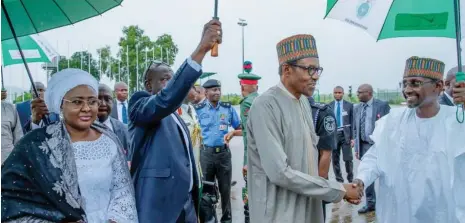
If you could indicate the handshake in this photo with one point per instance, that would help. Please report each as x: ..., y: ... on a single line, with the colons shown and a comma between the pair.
x: 354, y: 191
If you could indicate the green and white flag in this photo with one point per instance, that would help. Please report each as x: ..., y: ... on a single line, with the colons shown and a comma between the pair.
x: 34, y: 47
x: 385, y: 19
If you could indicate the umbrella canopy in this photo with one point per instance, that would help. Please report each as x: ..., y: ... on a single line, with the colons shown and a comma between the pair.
x: 35, y: 49
x: 397, y: 18
x: 35, y: 16
x: 206, y: 74
x: 404, y: 18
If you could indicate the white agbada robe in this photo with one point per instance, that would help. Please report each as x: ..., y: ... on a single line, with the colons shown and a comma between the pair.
x: 420, y: 164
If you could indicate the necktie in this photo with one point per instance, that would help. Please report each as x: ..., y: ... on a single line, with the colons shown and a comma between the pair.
x: 362, y: 122
x: 338, y: 114
x: 124, y: 114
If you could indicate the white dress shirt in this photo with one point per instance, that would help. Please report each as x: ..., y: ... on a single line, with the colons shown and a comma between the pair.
x: 186, y: 141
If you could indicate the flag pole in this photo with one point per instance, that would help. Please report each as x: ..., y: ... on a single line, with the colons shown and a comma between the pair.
x: 68, y: 54
x: 81, y: 56
x: 127, y: 65
x: 58, y: 59
x: 137, y: 67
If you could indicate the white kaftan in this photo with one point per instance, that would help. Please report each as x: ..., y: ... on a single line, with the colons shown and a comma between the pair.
x: 99, y: 174
x: 414, y: 159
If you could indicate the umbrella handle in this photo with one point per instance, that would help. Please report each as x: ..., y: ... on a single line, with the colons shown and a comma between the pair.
x: 214, y: 51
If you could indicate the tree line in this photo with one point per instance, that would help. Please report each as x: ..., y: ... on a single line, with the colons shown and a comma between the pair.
x: 135, y: 52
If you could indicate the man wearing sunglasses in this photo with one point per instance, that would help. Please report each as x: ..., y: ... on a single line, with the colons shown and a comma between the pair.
x: 163, y: 167
x: 418, y: 153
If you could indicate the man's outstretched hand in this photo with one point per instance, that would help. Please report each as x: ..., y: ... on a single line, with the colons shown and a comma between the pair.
x: 211, y: 34
x: 354, y: 191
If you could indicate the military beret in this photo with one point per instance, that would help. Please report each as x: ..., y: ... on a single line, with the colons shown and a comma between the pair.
x: 247, y: 77
x: 212, y: 83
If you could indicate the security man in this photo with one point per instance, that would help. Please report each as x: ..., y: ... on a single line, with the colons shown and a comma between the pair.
x: 249, y: 88
x: 325, y: 127
x: 215, y: 117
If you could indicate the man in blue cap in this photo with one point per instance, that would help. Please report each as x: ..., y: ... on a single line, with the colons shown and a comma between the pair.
x: 215, y: 117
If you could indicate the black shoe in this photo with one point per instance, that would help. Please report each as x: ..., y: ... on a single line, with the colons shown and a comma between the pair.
x: 233, y: 183
x: 366, y: 209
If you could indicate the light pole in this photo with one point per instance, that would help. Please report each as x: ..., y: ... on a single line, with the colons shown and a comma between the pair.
x: 242, y: 23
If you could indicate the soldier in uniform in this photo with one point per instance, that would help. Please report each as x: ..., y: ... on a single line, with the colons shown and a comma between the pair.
x: 249, y: 88
x: 215, y: 117
x: 325, y: 127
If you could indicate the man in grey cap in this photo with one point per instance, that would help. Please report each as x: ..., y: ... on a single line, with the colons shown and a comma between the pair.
x: 447, y: 96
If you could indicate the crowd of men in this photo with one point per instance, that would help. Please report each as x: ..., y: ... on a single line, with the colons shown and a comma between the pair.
x: 176, y: 140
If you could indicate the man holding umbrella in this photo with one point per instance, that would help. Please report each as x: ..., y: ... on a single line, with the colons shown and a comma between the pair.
x: 32, y: 112
x: 163, y: 166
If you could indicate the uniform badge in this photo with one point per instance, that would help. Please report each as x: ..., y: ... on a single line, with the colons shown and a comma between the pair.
x: 329, y: 124
x: 223, y: 127
x: 246, y: 111
x: 222, y: 116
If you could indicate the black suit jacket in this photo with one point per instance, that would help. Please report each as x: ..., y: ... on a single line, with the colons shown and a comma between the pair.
x: 121, y: 130
x: 347, y: 118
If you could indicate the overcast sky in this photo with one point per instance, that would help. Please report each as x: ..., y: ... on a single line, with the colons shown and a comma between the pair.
x: 349, y: 55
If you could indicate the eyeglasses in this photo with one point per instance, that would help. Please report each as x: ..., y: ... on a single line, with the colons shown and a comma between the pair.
x: 312, y: 70
x: 79, y: 103
x: 415, y: 84
x: 157, y: 63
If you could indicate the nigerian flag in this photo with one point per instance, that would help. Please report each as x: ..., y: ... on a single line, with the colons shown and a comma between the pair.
x: 34, y: 47
x: 385, y: 19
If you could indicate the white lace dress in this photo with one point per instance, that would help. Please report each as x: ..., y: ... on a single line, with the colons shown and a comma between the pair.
x: 105, y: 191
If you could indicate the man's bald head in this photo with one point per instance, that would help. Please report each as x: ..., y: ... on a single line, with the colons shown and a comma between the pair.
x: 40, y: 87
x: 106, y: 102
x: 365, y: 93
x: 104, y: 88
x: 119, y: 85
x: 449, y: 81
x: 156, y: 77
x: 121, y: 91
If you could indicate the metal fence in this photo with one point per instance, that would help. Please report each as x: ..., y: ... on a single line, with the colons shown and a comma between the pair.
x: 389, y: 95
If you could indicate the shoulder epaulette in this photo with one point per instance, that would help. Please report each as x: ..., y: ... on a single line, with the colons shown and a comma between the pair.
x: 200, y: 105
x: 320, y: 106
x: 225, y: 104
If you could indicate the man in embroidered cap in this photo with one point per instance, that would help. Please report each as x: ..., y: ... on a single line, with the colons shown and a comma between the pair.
x: 283, y: 180
x: 417, y: 154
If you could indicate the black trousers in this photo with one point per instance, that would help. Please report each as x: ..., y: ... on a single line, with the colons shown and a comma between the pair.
x: 216, y: 163
x: 347, y: 156
x: 370, y: 191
